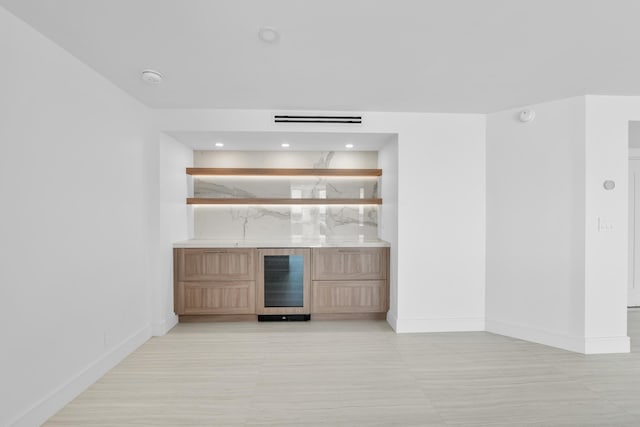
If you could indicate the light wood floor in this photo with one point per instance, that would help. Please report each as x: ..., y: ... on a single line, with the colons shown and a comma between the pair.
x: 358, y: 374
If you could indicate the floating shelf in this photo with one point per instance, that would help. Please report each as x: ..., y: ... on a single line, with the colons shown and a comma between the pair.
x: 231, y: 201
x: 282, y: 172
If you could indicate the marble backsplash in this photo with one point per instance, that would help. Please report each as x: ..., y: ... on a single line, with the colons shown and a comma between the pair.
x: 286, y: 222
x: 285, y: 187
x: 255, y: 222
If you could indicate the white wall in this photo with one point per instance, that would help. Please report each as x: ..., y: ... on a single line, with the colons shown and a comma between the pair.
x: 175, y: 224
x: 535, y: 224
x: 388, y: 221
x: 554, y: 275
x: 607, y: 139
x: 441, y: 205
x: 441, y: 224
x: 75, y: 250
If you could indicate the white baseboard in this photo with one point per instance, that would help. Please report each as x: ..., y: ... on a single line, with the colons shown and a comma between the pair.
x: 564, y: 342
x: 161, y: 328
x: 392, y: 320
x: 459, y: 324
x: 604, y: 345
x: 597, y: 345
x: 41, y: 411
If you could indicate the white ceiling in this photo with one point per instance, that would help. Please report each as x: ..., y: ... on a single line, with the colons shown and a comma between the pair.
x: 270, y: 141
x: 361, y: 55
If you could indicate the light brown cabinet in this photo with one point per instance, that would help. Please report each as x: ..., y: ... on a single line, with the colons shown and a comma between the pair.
x: 214, y: 281
x: 219, y: 283
x: 216, y: 298
x: 350, y: 281
x: 350, y: 264
x: 216, y: 264
x: 349, y: 296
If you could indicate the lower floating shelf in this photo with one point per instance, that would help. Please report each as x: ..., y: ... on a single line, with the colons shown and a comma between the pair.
x: 230, y: 201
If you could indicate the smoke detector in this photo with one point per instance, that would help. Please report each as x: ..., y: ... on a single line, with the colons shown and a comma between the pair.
x: 151, y: 76
x: 527, y: 116
x: 268, y: 34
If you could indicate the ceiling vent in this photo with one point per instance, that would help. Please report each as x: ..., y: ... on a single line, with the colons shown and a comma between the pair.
x: 317, y: 119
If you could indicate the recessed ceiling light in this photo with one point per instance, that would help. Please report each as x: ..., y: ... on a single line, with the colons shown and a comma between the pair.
x: 284, y: 145
x: 219, y: 144
x: 151, y: 76
x: 268, y: 34
x: 349, y: 145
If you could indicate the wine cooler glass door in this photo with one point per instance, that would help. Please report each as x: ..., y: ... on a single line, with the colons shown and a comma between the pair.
x: 283, y: 281
x: 283, y: 286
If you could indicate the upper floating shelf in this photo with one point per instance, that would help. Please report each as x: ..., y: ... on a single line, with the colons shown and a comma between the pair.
x: 282, y: 172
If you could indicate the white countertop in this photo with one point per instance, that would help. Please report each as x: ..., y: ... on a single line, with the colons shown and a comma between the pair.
x: 284, y: 243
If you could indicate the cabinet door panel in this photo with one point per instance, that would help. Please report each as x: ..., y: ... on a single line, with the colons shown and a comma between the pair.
x: 234, y: 297
x: 349, y: 296
x: 350, y: 263
x: 216, y: 264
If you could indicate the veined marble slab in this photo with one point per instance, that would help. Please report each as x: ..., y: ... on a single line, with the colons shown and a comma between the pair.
x: 283, y: 243
x: 287, y: 187
x: 268, y: 222
x: 271, y: 222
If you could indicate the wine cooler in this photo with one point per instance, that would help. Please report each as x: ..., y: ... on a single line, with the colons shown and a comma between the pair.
x: 283, y: 284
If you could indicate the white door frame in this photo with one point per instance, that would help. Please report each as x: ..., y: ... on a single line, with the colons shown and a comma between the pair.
x: 633, y: 298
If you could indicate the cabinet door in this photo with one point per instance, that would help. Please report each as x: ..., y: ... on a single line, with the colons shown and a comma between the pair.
x: 368, y: 296
x: 235, y: 297
x: 215, y: 264
x: 350, y: 263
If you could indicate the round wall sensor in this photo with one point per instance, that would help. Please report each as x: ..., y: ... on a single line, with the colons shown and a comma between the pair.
x: 268, y: 34
x: 609, y: 184
x: 151, y: 76
x: 527, y: 115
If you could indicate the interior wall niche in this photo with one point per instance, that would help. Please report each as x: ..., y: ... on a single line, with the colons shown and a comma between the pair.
x: 253, y: 222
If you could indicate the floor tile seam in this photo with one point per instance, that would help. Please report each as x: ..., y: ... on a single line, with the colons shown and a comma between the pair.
x: 408, y: 369
x: 525, y: 404
x: 613, y: 403
x: 569, y: 376
x: 251, y: 404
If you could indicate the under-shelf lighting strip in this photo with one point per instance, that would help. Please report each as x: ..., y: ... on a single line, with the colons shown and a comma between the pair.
x: 281, y: 202
x: 261, y: 172
x: 283, y: 173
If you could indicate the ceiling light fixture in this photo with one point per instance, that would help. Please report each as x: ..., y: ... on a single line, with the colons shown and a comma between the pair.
x: 151, y: 76
x: 349, y: 146
x: 284, y: 145
x: 219, y: 144
x: 268, y: 34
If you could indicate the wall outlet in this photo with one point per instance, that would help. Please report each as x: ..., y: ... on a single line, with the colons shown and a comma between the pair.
x: 605, y: 225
